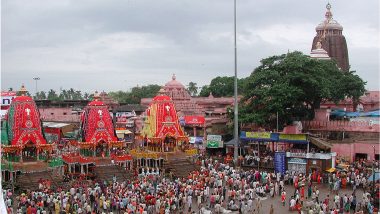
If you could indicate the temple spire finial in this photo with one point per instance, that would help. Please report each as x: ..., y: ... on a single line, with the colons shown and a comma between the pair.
x: 328, y: 14
x: 161, y: 91
x: 96, y: 95
x: 23, y: 90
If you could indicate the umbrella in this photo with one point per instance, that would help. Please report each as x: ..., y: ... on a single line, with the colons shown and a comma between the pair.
x: 377, y: 177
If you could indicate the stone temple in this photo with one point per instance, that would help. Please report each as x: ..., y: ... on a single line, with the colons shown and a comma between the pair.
x: 329, y: 35
x: 213, y: 109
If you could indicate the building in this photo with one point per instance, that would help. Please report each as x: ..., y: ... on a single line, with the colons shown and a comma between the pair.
x: 329, y: 35
x: 213, y: 109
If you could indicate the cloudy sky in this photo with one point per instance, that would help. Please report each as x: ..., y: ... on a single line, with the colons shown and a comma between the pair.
x: 117, y: 44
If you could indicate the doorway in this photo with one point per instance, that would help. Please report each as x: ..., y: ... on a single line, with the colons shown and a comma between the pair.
x: 359, y: 156
x: 169, y: 144
x: 101, y: 149
x: 29, y: 153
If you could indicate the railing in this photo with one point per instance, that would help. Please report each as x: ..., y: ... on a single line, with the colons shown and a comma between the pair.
x: 42, y: 157
x: 7, y: 166
x: 12, y: 158
x: 348, y: 126
x: 86, y: 152
x: 151, y: 155
x: 121, y: 158
x: 269, y: 164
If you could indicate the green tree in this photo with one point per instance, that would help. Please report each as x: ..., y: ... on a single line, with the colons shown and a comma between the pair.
x: 71, y: 94
x: 293, y: 85
x: 77, y: 95
x: 52, y: 95
x: 41, y: 95
x: 222, y: 87
x: 134, y: 96
x: 192, y: 88
x: 86, y: 95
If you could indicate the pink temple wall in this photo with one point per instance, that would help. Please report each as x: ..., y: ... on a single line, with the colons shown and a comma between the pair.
x: 58, y: 115
x: 348, y: 126
x: 348, y: 150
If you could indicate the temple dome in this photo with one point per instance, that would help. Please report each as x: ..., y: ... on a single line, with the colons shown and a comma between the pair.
x: 174, y: 83
x: 331, y: 25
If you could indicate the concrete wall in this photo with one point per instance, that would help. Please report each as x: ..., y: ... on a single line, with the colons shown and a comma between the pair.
x: 348, y: 150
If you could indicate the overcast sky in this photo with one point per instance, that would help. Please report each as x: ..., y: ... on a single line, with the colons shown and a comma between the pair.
x: 117, y: 44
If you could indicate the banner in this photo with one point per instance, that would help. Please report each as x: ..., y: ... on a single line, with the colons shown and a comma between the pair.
x: 194, y: 120
x: 214, y: 141
x: 300, y: 137
x: 279, y: 162
x: 297, y: 161
x: 196, y: 140
x: 259, y: 135
x: 6, y: 99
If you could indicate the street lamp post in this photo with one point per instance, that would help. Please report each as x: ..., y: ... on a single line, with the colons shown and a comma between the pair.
x: 36, y: 79
x: 373, y: 172
x: 236, y: 131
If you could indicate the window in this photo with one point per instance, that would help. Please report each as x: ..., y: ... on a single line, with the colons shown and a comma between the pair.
x: 51, y: 113
x: 64, y: 113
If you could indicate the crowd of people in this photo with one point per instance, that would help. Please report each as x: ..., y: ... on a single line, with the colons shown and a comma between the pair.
x: 215, y: 188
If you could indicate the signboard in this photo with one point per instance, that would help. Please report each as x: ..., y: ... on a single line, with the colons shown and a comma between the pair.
x: 274, y: 137
x: 279, y: 162
x: 321, y: 156
x: 6, y: 99
x: 297, y: 161
x: 295, y: 155
x: 300, y: 137
x: 197, y: 140
x: 214, y: 141
x: 123, y: 116
x: 194, y: 120
x: 260, y: 135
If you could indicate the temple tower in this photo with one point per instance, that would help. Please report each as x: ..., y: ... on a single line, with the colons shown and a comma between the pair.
x: 329, y: 34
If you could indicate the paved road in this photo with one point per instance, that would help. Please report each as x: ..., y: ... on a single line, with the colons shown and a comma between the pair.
x: 279, y: 208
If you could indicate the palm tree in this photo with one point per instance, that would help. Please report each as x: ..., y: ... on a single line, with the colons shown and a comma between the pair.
x: 192, y: 88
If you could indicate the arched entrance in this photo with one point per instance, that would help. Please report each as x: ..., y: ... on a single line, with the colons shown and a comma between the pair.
x: 29, y: 153
x: 169, y: 144
x: 101, y: 149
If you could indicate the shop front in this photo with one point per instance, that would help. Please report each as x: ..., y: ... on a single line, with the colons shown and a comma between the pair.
x: 320, y: 162
x: 297, y: 165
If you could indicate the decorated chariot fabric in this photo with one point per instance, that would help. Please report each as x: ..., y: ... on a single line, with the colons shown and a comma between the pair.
x: 23, y: 122
x: 96, y: 123
x: 162, y: 119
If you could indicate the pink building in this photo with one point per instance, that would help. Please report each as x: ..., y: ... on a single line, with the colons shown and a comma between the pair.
x: 59, y: 114
x: 368, y: 102
x: 367, y: 150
